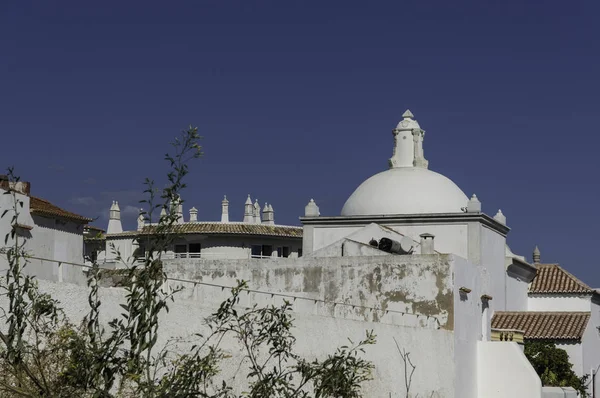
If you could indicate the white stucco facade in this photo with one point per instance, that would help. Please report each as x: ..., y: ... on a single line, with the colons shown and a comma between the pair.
x: 46, y: 235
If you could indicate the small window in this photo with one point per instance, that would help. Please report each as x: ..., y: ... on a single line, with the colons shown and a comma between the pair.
x: 299, y: 252
x: 286, y: 252
x: 267, y: 250
x: 256, y: 251
x: 180, y: 251
x: 195, y: 249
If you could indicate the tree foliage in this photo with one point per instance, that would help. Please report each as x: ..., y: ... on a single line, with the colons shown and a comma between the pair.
x: 552, y: 365
x: 42, y: 354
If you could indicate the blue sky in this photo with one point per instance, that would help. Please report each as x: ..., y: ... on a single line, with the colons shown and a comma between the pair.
x: 297, y: 100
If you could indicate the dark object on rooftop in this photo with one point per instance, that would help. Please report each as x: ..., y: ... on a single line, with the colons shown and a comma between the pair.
x: 395, y: 247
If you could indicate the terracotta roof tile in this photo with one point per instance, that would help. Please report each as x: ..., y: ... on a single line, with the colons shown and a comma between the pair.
x: 45, y: 208
x: 226, y: 229
x: 552, y: 278
x: 544, y: 325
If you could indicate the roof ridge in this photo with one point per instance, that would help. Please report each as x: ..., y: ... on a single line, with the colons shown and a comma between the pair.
x: 542, y: 325
x: 552, y: 278
x: 38, y: 198
x: 579, y: 281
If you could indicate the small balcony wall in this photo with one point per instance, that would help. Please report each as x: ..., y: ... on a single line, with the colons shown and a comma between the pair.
x: 504, y: 371
x: 509, y: 335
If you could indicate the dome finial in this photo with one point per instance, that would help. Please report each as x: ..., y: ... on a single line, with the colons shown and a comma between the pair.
x: 408, y: 114
x: 537, y: 257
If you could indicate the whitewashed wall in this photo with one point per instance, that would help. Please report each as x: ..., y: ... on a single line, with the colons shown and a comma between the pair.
x: 558, y: 302
x: 508, y: 374
x: 369, y: 290
x: 591, y: 344
x: 49, y: 238
x: 448, y: 238
x: 516, y: 294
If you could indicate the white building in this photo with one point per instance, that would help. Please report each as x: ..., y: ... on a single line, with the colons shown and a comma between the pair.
x: 257, y: 236
x: 564, y: 310
x: 50, y: 233
x: 410, y: 257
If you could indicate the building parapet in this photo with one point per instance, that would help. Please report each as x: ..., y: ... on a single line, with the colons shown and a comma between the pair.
x: 513, y: 335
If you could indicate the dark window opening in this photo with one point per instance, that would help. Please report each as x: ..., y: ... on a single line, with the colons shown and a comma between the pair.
x: 267, y: 250
x: 256, y: 251
x: 299, y: 252
x: 180, y: 251
x: 195, y: 249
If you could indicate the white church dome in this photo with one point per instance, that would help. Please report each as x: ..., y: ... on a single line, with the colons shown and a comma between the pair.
x: 405, y: 190
x: 408, y: 187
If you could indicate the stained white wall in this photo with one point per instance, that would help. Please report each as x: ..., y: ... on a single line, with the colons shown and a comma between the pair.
x: 409, y: 283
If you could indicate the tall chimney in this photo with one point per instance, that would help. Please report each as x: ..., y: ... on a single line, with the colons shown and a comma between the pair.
x: 268, y: 216
x: 256, y: 212
x: 271, y: 215
x: 225, y: 210
x: 311, y: 209
x: 193, y: 214
x: 537, y: 257
x: 248, y: 211
x: 179, y: 210
x: 114, y: 219
x: 141, y: 222
x: 427, y: 246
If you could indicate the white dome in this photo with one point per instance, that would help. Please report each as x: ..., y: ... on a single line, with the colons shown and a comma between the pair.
x: 405, y: 190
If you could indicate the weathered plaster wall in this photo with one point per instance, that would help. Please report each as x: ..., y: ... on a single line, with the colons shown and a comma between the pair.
x: 413, y: 284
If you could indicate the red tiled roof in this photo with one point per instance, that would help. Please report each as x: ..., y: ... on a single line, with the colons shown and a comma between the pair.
x: 544, y: 325
x: 552, y: 278
x: 225, y: 229
x: 45, y: 208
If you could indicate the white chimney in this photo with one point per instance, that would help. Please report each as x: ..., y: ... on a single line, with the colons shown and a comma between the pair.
x: 256, y: 212
x: 427, y: 246
x: 311, y: 209
x: 114, y: 219
x: 193, y: 214
x: 141, y: 222
x: 225, y: 210
x: 248, y: 211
